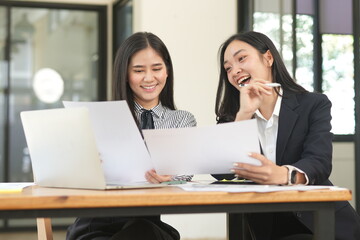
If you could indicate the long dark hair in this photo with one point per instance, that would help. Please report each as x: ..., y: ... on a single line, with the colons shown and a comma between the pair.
x: 227, y: 97
x: 133, y: 44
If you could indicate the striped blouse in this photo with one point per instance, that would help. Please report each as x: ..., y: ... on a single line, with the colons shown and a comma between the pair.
x: 167, y: 118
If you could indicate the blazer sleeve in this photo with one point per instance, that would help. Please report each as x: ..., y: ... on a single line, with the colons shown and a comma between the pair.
x: 316, y: 156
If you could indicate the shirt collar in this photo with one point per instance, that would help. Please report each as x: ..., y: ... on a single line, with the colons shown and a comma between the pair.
x: 157, y: 110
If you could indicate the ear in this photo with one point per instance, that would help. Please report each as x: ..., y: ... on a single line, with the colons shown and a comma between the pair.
x: 269, y: 58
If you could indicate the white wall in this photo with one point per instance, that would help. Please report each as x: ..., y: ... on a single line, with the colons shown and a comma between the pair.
x: 193, y: 32
x: 343, y: 173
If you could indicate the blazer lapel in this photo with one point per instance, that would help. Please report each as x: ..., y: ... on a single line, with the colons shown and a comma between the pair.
x: 287, y: 120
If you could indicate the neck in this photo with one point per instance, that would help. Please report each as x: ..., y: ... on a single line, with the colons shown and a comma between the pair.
x: 147, y: 104
x: 268, y: 105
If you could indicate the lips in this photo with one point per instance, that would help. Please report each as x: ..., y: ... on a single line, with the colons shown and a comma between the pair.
x: 244, y: 79
x: 149, y: 88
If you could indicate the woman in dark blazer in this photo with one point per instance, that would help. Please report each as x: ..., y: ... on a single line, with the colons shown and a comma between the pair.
x: 293, y: 127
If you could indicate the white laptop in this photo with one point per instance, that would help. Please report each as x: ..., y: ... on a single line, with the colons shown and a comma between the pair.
x: 64, y: 152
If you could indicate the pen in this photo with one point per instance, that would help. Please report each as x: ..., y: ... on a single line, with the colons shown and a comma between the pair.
x: 234, y: 180
x: 267, y: 84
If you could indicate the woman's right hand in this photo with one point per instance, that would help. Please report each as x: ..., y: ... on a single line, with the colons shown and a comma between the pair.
x: 251, y: 98
x: 152, y: 177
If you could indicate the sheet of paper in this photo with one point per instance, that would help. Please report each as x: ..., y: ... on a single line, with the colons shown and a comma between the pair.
x: 234, y: 188
x: 202, y: 150
x: 123, y: 153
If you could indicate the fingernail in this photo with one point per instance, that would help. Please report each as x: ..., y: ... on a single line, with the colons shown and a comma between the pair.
x: 235, y: 165
x: 232, y: 170
x: 250, y: 154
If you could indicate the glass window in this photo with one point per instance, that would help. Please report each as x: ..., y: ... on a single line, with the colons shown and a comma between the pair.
x: 274, y: 19
x: 338, y: 80
x: 47, y: 55
x: 304, y: 73
x: 54, y: 57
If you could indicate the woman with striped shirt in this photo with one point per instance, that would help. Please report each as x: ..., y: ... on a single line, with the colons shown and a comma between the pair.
x: 143, y: 76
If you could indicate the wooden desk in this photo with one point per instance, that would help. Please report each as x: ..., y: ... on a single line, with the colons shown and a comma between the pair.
x: 36, y: 202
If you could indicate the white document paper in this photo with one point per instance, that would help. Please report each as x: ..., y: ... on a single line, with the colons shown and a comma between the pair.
x: 123, y: 153
x: 236, y: 188
x: 202, y: 150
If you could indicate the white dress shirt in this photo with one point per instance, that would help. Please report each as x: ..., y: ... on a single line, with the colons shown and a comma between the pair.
x: 267, y: 131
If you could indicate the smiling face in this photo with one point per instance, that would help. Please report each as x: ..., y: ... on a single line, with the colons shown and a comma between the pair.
x: 147, y: 77
x: 244, y: 64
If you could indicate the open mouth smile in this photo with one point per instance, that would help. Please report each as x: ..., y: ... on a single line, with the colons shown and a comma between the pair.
x: 149, y: 87
x: 243, y: 80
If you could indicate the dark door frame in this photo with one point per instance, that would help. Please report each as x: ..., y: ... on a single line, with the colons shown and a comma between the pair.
x: 102, y: 73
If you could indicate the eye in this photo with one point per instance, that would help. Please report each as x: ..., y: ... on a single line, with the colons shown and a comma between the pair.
x: 227, y: 69
x: 138, y: 70
x: 242, y: 58
x: 157, y: 69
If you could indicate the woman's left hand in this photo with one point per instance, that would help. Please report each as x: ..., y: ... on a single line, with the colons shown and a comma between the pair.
x: 152, y: 177
x: 267, y: 173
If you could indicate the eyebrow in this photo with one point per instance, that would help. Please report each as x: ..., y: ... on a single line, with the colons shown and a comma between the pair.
x: 153, y: 65
x: 236, y: 53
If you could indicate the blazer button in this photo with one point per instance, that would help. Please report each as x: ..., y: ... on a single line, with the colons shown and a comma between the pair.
x: 298, y: 214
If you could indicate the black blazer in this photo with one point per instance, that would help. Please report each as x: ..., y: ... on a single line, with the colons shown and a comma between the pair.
x: 304, y: 140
